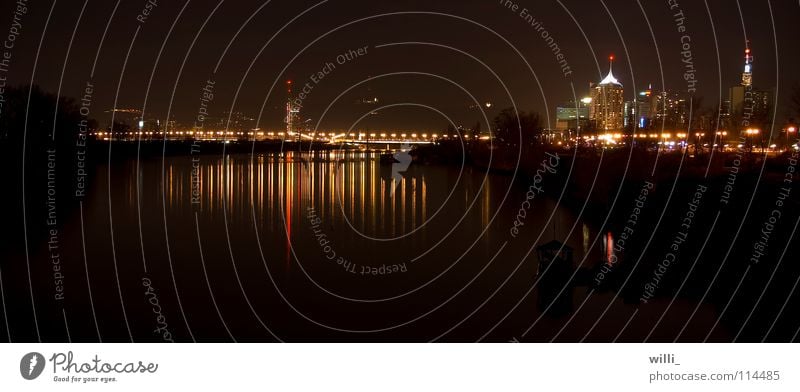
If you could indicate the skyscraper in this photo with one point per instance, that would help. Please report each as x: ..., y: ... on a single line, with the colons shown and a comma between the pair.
x: 670, y: 111
x: 747, y: 76
x: 607, y: 107
x: 638, y: 111
x: 292, y: 112
x: 749, y: 107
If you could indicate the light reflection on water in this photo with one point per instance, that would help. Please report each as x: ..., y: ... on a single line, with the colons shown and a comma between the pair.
x: 365, y: 207
x: 349, y: 188
x: 439, y: 232
x: 429, y: 216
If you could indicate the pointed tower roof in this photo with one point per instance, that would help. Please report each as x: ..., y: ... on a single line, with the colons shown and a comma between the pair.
x: 610, y: 79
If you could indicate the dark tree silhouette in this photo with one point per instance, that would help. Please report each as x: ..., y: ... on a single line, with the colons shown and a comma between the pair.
x: 42, y: 128
x: 512, y: 127
x: 43, y: 110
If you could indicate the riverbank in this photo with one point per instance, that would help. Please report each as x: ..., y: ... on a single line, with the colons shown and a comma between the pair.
x: 601, y: 178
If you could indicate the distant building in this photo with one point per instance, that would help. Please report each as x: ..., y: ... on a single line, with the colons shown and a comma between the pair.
x: 670, y: 111
x: 236, y: 121
x: 638, y: 113
x: 747, y: 75
x: 150, y: 125
x: 573, y: 116
x: 127, y: 116
x: 606, y: 110
x: 748, y: 107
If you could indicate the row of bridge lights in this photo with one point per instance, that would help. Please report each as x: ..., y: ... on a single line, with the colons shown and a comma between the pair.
x: 251, y: 133
x: 178, y: 133
x: 372, y: 135
x: 394, y: 135
x: 610, y: 136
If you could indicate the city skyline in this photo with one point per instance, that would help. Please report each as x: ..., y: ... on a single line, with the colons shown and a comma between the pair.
x: 415, y: 171
x: 637, y: 52
x: 604, y: 109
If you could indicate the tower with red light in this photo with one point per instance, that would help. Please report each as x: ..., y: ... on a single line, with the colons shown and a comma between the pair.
x: 607, y: 107
x: 747, y: 76
x: 292, y: 110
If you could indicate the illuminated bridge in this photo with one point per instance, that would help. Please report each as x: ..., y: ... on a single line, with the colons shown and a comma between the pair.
x: 365, y: 138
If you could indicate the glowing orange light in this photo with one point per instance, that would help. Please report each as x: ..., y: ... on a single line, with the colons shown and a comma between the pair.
x: 611, y: 57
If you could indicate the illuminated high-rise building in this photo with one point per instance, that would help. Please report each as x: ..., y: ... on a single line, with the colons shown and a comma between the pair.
x: 607, y: 106
x: 747, y: 75
x: 573, y: 116
x: 669, y: 110
x: 749, y: 106
x: 292, y: 111
x: 638, y: 111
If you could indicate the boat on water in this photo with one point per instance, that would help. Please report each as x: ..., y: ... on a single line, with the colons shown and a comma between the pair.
x: 388, y: 159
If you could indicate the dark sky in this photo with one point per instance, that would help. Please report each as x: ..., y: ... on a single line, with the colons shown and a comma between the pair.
x: 253, y: 64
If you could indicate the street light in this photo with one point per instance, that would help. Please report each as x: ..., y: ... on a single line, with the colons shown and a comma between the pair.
x: 750, y: 133
x: 722, y: 135
x: 791, y: 129
x: 698, y: 137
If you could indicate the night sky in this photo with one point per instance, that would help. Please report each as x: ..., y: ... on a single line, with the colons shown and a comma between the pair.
x: 258, y: 45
